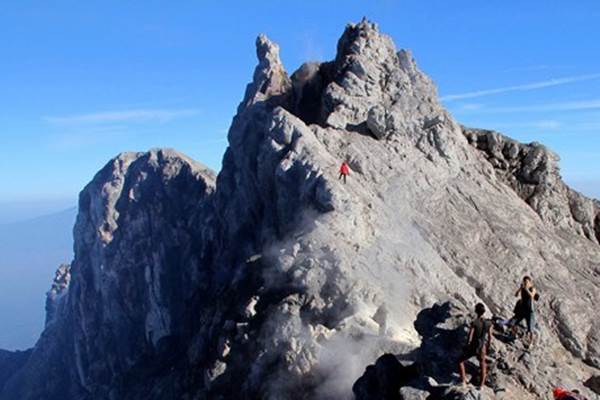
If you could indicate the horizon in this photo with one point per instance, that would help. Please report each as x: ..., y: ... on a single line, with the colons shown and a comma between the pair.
x: 77, y: 96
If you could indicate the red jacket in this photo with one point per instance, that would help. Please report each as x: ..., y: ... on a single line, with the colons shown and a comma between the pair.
x: 344, y: 169
x: 562, y: 394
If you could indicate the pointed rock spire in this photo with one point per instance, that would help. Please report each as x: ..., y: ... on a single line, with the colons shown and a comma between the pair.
x: 270, y: 78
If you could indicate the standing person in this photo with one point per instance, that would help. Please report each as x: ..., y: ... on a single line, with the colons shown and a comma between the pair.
x: 525, y: 308
x: 480, y: 338
x: 344, y: 171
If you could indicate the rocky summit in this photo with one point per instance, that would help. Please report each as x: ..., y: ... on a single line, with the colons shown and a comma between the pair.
x: 276, y: 280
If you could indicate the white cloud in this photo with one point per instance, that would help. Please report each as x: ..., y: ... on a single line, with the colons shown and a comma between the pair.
x: 139, y: 115
x: 545, y: 124
x: 212, y: 141
x: 579, y: 105
x: 470, y: 106
x: 77, y: 138
x: 537, y: 67
x: 589, y: 125
x: 524, y: 87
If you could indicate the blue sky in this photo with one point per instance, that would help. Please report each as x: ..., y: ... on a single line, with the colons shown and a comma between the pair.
x: 83, y: 81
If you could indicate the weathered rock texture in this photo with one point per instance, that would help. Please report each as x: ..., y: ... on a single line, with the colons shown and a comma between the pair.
x: 280, y: 282
x: 532, y: 171
x: 56, y: 294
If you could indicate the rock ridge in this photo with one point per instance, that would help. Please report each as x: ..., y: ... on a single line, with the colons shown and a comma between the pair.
x: 532, y: 171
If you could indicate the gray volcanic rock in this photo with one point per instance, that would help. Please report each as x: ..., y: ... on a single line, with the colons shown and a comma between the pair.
x: 377, y: 121
x: 282, y: 282
x: 532, y: 171
x: 56, y: 294
x: 11, y: 362
x: 139, y: 257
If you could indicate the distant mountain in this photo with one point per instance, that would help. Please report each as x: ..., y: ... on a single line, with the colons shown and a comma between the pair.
x: 30, y: 252
x: 23, y: 210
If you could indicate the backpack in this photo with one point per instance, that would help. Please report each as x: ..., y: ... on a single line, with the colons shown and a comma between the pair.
x: 573, y: 396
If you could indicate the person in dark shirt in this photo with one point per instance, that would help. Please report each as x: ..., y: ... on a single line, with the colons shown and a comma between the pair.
x: 480, y: 338
x: 525, y: 308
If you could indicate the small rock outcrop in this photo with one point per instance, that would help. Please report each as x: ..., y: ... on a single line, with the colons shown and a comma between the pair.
x: 57, y: 291
x: 276, y: 280
x: 384, y: 379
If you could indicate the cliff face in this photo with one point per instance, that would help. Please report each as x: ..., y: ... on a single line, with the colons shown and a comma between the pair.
x: 280, y: 281
x: 139, y: 259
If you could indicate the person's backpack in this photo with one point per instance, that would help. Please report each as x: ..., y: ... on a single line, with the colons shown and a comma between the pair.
x: 573, y: 396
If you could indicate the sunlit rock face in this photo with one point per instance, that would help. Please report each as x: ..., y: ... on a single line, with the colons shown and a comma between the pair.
x: 275, y: 280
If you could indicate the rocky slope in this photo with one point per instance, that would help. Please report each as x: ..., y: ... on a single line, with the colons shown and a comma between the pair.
x: 278, y: 281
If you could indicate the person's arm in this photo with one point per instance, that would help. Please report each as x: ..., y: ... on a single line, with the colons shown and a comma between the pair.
x: 471, y: 332
x: 490, y: 335
x: 531, y: 292
x: 518, y: 292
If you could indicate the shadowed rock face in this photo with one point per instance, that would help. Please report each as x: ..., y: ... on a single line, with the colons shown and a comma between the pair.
x: 139, y: 255
x: 10, y: 362
x: 280, y: 282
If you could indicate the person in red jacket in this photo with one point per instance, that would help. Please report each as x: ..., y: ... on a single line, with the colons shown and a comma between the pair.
x: 344, y: 171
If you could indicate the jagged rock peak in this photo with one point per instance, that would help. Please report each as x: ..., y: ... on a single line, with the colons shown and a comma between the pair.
x: 268, y: 52
x: 377, y: 89
x: 270, y: 78
x: 370, y: 87
x: 364, y: 39
x: 357, y: 37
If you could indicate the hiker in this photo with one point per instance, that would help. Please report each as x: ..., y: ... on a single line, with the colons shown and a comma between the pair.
x: 344, y: 171
x: 524, y: 309
x: 563, y: 394
x: 480, y: 338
